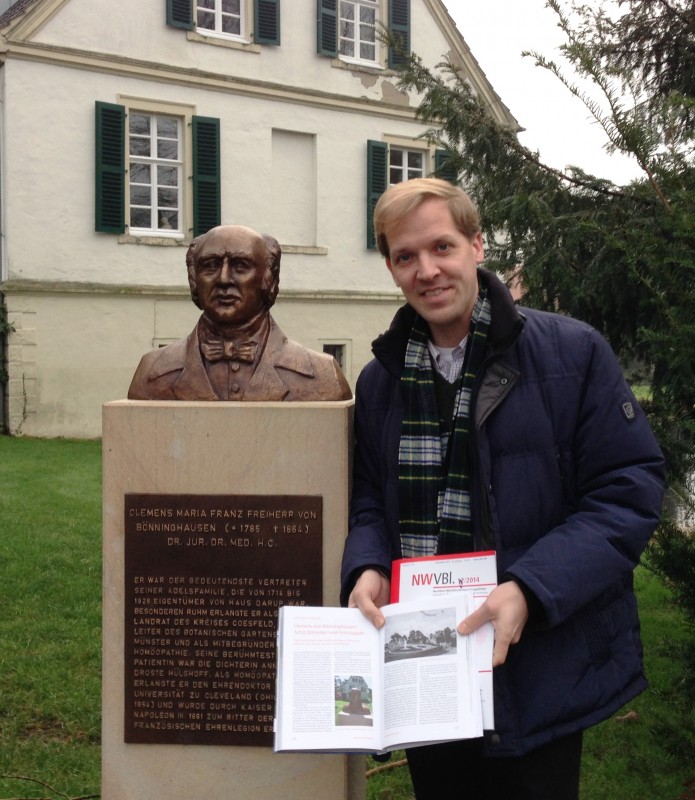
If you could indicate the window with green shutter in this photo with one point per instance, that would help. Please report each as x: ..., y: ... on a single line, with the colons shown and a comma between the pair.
x: 443, y: 167
x: 206, y: 174
x: 348, y: 29
x: 399, y: 28
x: 327, y: 27
x: 110, y: 168
x: 145, y: 194
x: 266, y: 22
x: 377, y: 181
x: 180, y: 14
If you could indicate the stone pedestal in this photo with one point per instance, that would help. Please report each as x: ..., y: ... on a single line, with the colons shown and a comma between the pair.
x: 217, y: 449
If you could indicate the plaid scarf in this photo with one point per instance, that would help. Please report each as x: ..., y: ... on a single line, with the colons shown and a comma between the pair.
x: 434, y: 482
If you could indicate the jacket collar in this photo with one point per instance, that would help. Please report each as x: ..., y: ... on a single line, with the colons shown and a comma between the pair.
x: 507, y: 323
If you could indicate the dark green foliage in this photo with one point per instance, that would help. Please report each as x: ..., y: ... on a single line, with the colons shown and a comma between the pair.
x: 619, y: 257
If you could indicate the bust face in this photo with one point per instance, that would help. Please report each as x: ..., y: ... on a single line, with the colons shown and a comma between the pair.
x: 230, y: 274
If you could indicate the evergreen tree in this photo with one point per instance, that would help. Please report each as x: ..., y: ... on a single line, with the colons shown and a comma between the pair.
x: 620, y: 257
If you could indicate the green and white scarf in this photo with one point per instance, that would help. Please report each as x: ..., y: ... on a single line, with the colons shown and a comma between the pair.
x: 434, y: 480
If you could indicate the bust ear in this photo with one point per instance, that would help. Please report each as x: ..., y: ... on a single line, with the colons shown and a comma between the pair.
x: 271, y: 286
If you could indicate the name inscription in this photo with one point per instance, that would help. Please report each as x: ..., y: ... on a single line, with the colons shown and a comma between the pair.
x: 204, y: 578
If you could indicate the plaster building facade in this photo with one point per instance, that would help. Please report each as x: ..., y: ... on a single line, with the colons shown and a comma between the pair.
x: 127, y: 128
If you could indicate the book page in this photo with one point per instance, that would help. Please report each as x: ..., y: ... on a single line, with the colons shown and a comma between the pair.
x: 474, y: 574
x: 328, y: 682
x: 431, y: 690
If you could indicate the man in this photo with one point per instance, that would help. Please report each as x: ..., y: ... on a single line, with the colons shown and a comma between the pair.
x: 478, y: 426
x: 236, y: 351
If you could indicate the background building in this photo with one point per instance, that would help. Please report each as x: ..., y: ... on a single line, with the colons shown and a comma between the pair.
x: 129, y: 127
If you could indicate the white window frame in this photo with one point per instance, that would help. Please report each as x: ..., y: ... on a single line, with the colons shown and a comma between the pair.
x: 377, y: 6
x: 404, y: 167
x: 217, y: 32
x: 184, y: 117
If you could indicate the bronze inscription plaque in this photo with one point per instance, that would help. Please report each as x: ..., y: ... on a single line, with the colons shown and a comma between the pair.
x: 204, y: 578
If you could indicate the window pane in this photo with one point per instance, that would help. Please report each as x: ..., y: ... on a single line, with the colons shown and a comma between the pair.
x: 206, y: 4
x: 414, y: 160
x: 231, y: 25
x: 167, y: 126
x: 396, y: 157
x: 166, y: 148
x: 367, y: 52
x: 140, y: 173
x: 367, y: 15
x: 140, y: 195
x: 347, y: 10
x: 206, y: 20
x: 139, y: 146
x: 395, y: 176
x: 139, y: 217
x: 231, y: 7
x: 167, y: 176
x: 168, y: 220
x: 139, y: 123
x: 367, y: 34
x: 167, y: 197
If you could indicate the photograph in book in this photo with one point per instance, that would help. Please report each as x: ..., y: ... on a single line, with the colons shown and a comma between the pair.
x: 421, y: 634
x: 344, y: 686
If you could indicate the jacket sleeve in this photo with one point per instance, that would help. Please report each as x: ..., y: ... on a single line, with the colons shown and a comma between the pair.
x: 368, y: 543
x: 613, y: 473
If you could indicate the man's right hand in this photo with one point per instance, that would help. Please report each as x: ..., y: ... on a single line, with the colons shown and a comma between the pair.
x: 371, y: 591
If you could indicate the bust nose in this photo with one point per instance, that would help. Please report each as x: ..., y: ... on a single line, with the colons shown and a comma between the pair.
x: 226, y: 272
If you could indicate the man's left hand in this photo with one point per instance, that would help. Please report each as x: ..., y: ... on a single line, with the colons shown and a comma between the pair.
x: 507, y: 610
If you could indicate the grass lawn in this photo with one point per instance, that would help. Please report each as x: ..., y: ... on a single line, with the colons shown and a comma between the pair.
x: 50, y: 650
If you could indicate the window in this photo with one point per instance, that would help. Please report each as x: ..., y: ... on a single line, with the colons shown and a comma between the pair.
x: 225, y: 17
x: 337, y: 351
x: 145, y: 157
x: 358, y: 20
x: 405, y: 164
x: 390, y: 164
x: 235, y: 20
x: 155, y: 172
x: 348, y: 29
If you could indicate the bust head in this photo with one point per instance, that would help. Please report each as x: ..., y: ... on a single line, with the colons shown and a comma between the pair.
x: 234, y: 275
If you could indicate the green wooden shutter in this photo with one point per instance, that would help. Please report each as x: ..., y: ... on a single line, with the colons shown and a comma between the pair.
x: 399, y: 28
x: 180, y: 14
x: 266, y: 21
x: 444, y: 168
x: 206, y: 174
x: 327, y: 27
x: 377, y: 181
x: 110, y: 168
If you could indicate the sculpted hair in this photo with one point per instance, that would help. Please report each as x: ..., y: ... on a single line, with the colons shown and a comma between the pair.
x: 271, y: 279
x: 402, y: 198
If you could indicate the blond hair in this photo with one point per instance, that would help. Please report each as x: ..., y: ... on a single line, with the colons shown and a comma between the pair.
x: 401, y: 199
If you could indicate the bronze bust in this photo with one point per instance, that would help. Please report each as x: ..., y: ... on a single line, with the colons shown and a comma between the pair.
x: 236, y: 351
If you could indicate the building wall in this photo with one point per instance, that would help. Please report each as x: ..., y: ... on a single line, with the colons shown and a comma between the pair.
x: 75, y: 349
x: 294, y: 128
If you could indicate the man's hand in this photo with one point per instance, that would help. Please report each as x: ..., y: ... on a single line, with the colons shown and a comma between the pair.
x: 507, y: 610
x: 371, y: 591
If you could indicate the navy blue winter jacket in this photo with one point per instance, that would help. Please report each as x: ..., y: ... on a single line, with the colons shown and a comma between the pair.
x: 567, y: 483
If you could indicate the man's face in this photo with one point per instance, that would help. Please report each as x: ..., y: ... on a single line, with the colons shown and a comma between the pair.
x: 434, y: 264
x: 230, y: 268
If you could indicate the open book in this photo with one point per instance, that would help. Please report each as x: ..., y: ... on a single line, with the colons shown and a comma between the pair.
x: 344, y: 686
x: 474, y: 574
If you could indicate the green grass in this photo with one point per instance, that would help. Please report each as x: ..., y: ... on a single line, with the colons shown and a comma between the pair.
x: 50, y: 649
x: 50, y: 625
